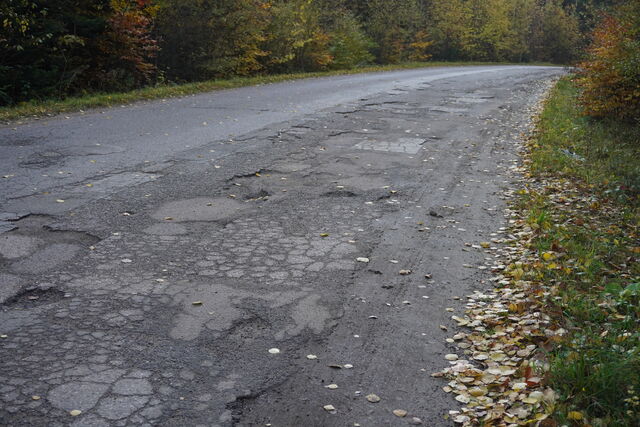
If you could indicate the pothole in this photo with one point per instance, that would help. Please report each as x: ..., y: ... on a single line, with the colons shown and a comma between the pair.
x: 260, y: 195
x: 401, y: 145
x: 41, y: 160
x: 443, y: 109
x: 339, y: 193
x: 34, y: 246
x: 34, y: 296
x: 471, y: 99
x: 255, y: 174
x: 17, y: 141
x: 41, y: 227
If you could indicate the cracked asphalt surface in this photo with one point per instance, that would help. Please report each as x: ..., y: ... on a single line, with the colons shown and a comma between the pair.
x: 151, y: 255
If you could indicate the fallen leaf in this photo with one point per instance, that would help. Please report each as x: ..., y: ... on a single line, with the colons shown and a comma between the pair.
x: 463, y: 399
x: 373, y: 398
x: 575, y: 415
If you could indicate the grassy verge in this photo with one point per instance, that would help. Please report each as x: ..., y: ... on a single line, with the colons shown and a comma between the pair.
x: 53, y: 106
x: 583, y: 205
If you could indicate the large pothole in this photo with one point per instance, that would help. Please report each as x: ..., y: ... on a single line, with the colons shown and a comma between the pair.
x: 34, y: 247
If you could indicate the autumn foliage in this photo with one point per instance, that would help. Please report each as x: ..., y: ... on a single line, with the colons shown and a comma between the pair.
x: 610, y: 77
x: 57, y: 48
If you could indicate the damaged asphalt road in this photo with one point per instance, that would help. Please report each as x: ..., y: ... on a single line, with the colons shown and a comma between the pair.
x: 153, y: 257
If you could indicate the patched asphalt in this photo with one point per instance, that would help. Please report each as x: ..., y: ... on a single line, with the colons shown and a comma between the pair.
x: 152, y: 255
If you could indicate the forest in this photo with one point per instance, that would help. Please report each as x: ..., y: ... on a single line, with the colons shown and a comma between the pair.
x: 58, y: 48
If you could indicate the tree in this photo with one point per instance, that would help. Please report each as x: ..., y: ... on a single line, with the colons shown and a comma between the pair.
x: 451, y: 29
x: 555, y: 36
x: 203, y: 39
x: 295, y: 40
x: 610, y: 77
x: 48, y: 46
x: 349, y: 46
x: 127, y: 47
x: 392, y: 26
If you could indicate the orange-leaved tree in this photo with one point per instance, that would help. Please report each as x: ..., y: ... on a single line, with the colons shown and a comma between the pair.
x: 127, y: 46
x: 610, y: 77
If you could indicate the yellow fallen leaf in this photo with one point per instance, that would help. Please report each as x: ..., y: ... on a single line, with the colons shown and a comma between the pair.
x: 400, y: 413
x: 575, y: 415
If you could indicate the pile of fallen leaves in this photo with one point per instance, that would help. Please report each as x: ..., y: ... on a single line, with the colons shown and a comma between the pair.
x: 499, y: 376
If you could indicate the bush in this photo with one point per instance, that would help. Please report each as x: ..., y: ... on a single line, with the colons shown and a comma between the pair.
x: 610, y: 77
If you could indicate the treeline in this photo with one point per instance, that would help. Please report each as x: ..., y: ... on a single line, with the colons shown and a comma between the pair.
x: 54, y: 48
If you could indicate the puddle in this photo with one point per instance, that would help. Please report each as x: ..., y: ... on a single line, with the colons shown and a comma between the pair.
x: 199, y: 209
x: 402, y: 145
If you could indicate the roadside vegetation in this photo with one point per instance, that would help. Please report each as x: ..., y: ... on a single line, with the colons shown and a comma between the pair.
x: 583, y: 206
x: 557, y: 342
x: 60, y: 49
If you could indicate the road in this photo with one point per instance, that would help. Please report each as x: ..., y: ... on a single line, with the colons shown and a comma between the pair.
x: 221, y: 259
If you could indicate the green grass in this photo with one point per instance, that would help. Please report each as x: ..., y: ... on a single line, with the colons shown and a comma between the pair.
x: 38, y: 108
x: 609, y: 148
x: 588, y: 211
